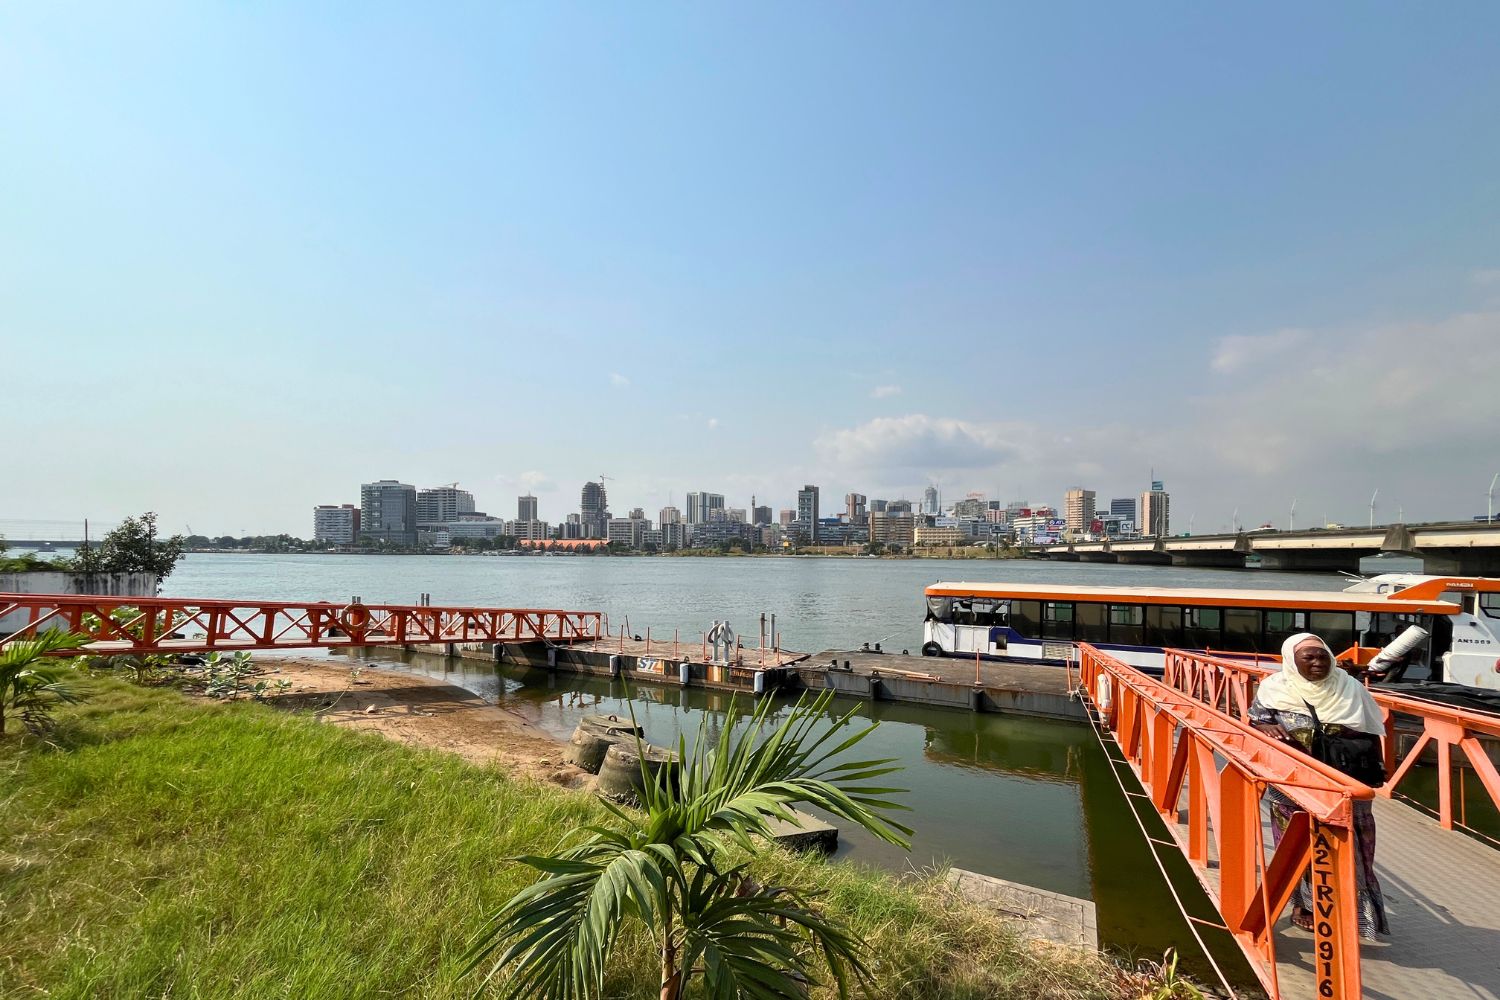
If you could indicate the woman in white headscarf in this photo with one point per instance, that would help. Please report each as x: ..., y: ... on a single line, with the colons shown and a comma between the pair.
x: 1318, y: 707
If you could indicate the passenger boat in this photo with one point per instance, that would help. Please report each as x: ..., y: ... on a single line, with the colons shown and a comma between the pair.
x: 1038, y: 623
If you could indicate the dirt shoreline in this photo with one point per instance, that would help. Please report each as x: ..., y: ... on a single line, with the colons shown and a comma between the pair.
x: 420, y: 711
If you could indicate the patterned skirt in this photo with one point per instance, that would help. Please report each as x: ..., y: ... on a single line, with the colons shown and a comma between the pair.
x: 1371, y: 901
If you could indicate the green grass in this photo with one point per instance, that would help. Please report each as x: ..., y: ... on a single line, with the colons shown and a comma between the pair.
x: 168, y: 847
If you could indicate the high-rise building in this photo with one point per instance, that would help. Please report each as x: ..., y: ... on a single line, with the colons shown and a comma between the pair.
x: 336, y: 524
x: 1156, y: 511
x: 388, y: 512
x: 593, y: 510
x: 877, y: 506
x: 807, y: 512
x: 971, y: 507
x: 526, y: 508
x: 700, y: 507
x: 1078, y: 510
x: 898, y: 507
x: 760, y: 516
x: 930, y: 500
x: 669, y: 515
x: 442, y: 504
x: 1123, y: 507
x: 786, y: 517
x: 737, y: 514
x: 854, y: 507
x: 892, y: 528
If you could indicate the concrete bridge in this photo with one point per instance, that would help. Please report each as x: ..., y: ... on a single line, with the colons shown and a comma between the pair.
x: 1463, y: 548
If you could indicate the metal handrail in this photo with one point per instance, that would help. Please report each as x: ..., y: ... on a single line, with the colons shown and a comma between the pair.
x: 1205, y: 773
x: 150, y: 625
x: 1230, y: 685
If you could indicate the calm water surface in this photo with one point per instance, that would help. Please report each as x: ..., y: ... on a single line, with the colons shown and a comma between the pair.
x: 1023, y: 799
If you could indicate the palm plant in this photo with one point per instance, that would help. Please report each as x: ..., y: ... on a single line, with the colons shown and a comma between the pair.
x: 672, y: 870
x: 30, y: 689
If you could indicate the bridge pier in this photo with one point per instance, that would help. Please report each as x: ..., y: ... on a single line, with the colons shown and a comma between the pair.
x: 1210, y: 558
x: 1314, y: 560
x: 1460, y: 562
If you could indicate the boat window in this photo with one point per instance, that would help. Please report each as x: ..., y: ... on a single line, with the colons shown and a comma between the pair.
x: 1490, y: 604
x: 1203, y: 628
x: 1334, y: 627
x: 1242, y: 630
x: 1281, y: 626
x: 940, y: 609
x: 1126, y: 624
x: 1163, y: 626
x: 990, y: 612
x: 1057, y: 619
x: 1091, y: 623
x: 1026, y: 618
x: 1385, y: 626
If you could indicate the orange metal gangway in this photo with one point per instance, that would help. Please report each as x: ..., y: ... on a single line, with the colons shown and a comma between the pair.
x: 154, y: 625
x: 1205, y: 773
x: 1453, y: 733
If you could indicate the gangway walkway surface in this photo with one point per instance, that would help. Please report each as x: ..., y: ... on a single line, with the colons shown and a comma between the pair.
x: 1186, y: 740
x: 166, y: 625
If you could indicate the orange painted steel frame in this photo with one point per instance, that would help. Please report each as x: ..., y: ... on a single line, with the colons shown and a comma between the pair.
x: 1230, y: 686
x: 1205, y: 773
x: 184, y: 625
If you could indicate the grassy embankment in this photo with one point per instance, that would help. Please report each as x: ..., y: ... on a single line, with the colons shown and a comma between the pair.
x: 170, y: 847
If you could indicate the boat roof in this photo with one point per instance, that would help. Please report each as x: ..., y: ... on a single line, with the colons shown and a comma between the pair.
x: 1317, y: 600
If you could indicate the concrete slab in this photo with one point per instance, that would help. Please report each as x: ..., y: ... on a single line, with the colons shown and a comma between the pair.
x: 808, y: 833
x: 1044, y: 915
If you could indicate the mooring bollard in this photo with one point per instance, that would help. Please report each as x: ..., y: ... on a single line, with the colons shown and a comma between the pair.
x: 684, y: 672
x: 758, y: 685
x: 551, y: 656
x: 614, y: 664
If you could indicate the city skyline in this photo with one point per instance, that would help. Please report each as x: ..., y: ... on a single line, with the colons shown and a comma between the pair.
x: 1052, y: 250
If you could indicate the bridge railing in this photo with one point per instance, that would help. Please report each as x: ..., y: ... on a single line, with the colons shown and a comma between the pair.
x: 1453, y: 734
x: 1205, y: 773
x: 150, y: 625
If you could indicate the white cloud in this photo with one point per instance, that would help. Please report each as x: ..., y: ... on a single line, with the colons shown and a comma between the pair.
x: 885, y: 391
x: 713, y: 423
x: 1414, y: 400
x: 1236, y: 353
x: 531, y: 481
x: 618, y: 380
x: 916, y: 442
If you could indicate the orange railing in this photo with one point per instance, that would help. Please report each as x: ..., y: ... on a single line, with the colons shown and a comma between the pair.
x: 149, y: 625
x: 1229, y: 685
x: 1205, y: 773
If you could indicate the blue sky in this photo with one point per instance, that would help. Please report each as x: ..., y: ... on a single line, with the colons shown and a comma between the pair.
x: 252, y: 255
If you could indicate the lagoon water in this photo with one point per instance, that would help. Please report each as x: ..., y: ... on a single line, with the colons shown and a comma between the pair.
x: 1022, y: 799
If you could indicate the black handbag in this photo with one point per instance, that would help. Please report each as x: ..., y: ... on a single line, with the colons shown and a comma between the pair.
x: 1355, y: 754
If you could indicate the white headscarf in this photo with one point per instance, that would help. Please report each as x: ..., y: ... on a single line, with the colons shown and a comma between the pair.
x: 1338, y: 698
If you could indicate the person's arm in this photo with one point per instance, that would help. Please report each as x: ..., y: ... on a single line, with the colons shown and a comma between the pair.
x: 1266, y: 720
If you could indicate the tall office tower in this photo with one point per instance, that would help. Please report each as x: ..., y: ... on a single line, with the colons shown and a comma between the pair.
x: 1078, y: 509
x: 760, y: 516
x: 669, y: 515
x: 388, y: 512
x: 526, y: 508
x: 898, y: 507
x: 877, y: 506
x: 854, y: 507
x: 593, y: 510
x: 1156, y: 511
x: 442, y: 504
x: 1123, y: 507
x: 807, y: 511
x: 787, y: 517
x: 930, y: 500
x: 701, y: 507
